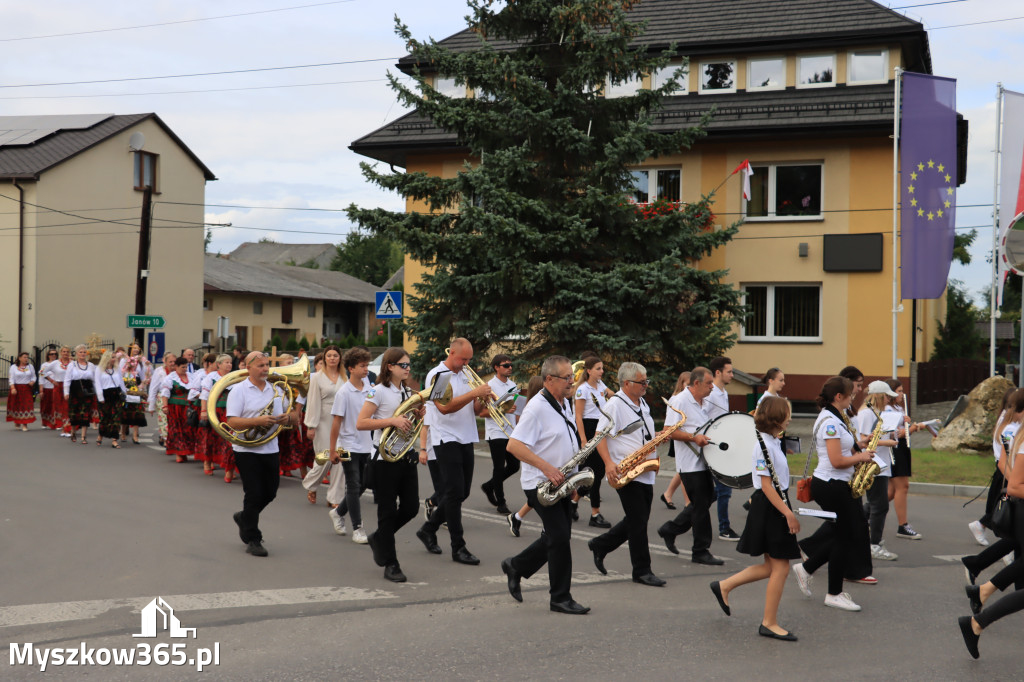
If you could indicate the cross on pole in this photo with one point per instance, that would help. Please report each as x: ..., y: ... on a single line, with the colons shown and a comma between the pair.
x: 275, y: 359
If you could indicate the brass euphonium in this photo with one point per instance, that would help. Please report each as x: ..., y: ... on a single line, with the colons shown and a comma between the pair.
x: 394, y: 443
x: 286, y: 382
x: 865, y: 472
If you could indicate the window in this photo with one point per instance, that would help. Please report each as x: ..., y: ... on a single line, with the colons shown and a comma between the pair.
x: 448, y: 87
x: 815, y: 71
x: 311, y: 310
x: 766, y: 74
x: 286, y: 311
x: 242, y: 336
x: 785, y: 192
x: 257, y: 307
x: 145, y: 170
x: 207, y: 337
x: 718, y: 77
x: 626, y: 88
x: 658, y: 183
x: 207, y: 304
x: 782, y: 312
x: 868, y: 66
x: 662, y: 76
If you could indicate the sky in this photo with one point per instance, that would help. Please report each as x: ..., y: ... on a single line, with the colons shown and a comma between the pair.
x: 277, y: 138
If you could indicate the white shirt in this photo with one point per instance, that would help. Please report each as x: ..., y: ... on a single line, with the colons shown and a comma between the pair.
x: 155, y: 383
x: 170, y: 380
x: 457, y: 427
x: 111, y: 378
x: 56, y: 371
x: 22, y: 376
x: 828, y: 427
x: 347, y: 404
x: 865, y: 424
x: 386, y: 399
x: 246, y: 400
x: 766, y: 394
x: 500, y: 388
x: 76, y: 373
x: 781, y: 466
x: 207, y: 384
x: 716, y: 404
x: 587, y: 393
x: 549, y: 435
x: 1005, y: 439
x: 623, y: 411
x: 44, y: 373
x: 195, y: 382
x: 687, y: 460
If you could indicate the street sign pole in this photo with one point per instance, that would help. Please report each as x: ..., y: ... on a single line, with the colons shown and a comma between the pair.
x: 388, y: 305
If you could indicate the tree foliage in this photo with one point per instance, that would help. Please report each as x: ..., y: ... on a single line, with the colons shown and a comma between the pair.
x: 959, y: 337
x: 371, y: 258
x: 533, y: 246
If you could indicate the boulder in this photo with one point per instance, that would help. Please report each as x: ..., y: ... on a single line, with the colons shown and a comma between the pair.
x: 972, y: 429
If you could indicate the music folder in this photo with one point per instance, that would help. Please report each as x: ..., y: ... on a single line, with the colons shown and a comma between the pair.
x: 441, y: 382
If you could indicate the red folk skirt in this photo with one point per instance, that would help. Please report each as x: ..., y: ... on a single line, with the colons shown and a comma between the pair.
x: 181, y: 439
x: 21, y: 407
x: 46, y: 408
x: 59, y: 409
x: 218, y: 449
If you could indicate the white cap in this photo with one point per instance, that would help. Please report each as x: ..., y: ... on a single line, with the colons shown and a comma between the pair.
x: 881, y: 387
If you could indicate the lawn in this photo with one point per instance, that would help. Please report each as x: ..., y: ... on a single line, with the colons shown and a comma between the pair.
x: 931, y: 466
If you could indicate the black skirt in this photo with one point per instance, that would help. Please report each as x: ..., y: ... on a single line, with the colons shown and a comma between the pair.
x: 901, y: 459
x: 766, y: 531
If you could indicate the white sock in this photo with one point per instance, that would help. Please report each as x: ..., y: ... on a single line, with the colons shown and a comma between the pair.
x: 518, y: 516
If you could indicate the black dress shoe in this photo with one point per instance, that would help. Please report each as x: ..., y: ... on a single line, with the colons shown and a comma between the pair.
x: 378, y: 558
x: 598, y: 521
x: 429, y: 540
x: 489, y: 492
x: 503, y: 509
x: 649, y: 579
x: 765, y: 632
x: 746, y: 506
x: 972, y: 575
x: 670, y: 541
x: 463, y: 556
x: 393, y: 572
x: 569, y: 606
x: 256, y: 548
x: 974, y: 595
x: 970, y: 639
x: 706, y: 558
x: 716, y: 589
x: 513, y: 579
x: 598, y: 558
x: 238, y: 522
x: 668, y: 503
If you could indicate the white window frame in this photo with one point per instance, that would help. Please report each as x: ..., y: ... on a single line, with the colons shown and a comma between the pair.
x: 799, y: 75
x: 770, y: 336
x: 627, y: 88
x: 885, y: 66
x: 652, y: 187
x: 449, y: 87
x: 772, y: 186
x: 757, y: 88
x: 718, y: 91
x: 659, y: 76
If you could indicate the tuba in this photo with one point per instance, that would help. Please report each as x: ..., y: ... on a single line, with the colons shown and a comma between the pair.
x: 394, y: 443
x: 287, y: 382
x: 636, y: 463
x: 865, y: 472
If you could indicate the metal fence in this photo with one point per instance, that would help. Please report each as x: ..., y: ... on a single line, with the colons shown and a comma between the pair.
x: 943, y: 380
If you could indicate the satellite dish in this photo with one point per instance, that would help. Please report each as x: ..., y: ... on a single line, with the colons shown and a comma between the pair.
x: 1013, y: 244
x: 136, y: 142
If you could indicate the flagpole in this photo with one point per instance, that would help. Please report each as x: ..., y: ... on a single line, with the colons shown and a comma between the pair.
x: 993, y: 310
x: 895, y: 211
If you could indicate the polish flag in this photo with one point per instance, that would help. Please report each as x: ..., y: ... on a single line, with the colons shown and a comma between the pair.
x: 747, y: 172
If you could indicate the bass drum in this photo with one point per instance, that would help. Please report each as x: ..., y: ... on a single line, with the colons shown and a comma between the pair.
x: 729, y: 455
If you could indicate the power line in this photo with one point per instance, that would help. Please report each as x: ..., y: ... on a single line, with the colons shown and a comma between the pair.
x: 189, y: 92
x: 929, y: 4
x: 172, y: 23
x: 976, y: 23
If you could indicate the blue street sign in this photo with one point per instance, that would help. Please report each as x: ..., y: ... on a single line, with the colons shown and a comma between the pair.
x: 155, y: 347
x: 389, y: 305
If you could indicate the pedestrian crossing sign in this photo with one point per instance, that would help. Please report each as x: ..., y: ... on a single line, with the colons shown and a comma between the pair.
x: 389, y: 305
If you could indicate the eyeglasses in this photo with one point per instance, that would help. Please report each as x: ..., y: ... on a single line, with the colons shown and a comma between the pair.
x: 506, y: 365
x: 403, y: 365
x: 645, y: 382
x: 566, y: 379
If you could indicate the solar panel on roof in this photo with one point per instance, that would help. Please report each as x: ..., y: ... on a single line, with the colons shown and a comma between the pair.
x: 25, y: 130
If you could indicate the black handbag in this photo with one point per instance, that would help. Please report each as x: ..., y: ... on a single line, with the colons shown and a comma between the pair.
x: 1000, y: 521
x: 192, y: 416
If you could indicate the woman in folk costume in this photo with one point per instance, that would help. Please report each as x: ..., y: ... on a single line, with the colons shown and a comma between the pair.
x: 21, y: 404
x: 296, y: 452
x: 46, y: 390
x: 133, y: 372
x: 55, y: 373
x: 110, y: 393
x: 174, y: 403
x: 80, y: 392
x: 213, y: 445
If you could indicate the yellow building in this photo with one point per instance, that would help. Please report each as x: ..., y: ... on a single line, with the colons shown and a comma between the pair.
x: 810, y: 104
x: 71, y: 195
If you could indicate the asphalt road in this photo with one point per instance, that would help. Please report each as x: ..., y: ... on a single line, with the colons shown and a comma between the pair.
x: 89, y: 536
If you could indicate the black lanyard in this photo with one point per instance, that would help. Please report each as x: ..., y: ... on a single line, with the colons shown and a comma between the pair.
x: 561, y: 412
x: 638, y: 412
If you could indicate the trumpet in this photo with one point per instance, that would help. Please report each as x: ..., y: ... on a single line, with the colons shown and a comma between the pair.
x: 324, y: 456
x: 495, y: 410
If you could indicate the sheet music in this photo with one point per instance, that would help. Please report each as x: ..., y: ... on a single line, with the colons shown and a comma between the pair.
x: 441, y: 381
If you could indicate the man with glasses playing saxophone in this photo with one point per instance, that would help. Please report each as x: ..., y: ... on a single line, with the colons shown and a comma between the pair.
x: 544, y: 440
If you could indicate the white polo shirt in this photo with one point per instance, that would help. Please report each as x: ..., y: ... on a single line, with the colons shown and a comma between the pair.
x: 716, y: 404
x: 779, y: 463
x: 246, y: 400
x: 687, y: 459
x: 549, y: 435
x: 623, y: 411
x: 457, y: 427
x: 386, y: 400
x: 500, y: 388
x: 828, y: 427
x: 586, y: 393
x: 865, y: 424
x: 348, y: 403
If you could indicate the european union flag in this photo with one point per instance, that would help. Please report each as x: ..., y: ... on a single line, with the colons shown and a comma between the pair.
x: 927, y: 184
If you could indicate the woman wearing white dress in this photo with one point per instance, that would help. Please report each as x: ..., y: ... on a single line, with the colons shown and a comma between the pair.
x: 323, y: 386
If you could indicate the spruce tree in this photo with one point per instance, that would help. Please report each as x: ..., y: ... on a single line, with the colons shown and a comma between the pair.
x: 534, y: 246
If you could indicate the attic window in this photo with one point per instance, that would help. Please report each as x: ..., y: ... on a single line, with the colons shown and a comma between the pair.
x: 663, y: 75
x: 868, y: 66
x: 816, y: 71
x: 449, y: 87
x: 766, y: 74
x: 718, y: 77
x: 145, y: 170
x: 626, y: 88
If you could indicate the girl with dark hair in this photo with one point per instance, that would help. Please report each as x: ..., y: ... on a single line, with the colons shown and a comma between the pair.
x: 681, y: 383
x: 174, y: 403
x: 776, y: 381
x: 21, y: 404
x: 589, y: 389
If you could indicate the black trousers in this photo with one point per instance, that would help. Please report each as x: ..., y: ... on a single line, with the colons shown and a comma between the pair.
x: 435, y: 479
x: 503, y: 467
x: 353, y: 469
x: 261, y: 474
x: 850, y: 540
x: 595, y: 462
x: 397, y: 487
x: 700, y: 488
x: 455, y: 461
x: 991, y: 554
x: 876, y: 507
x: 551, y: 548
x: 1013, y: 602
x: 636, y: 501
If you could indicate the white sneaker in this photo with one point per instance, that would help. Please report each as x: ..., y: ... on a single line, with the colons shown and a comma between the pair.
x: 358, y: 536
x: 803, y: 579
x: 978, y: 531
x: 1008, y: 559
x: 338, y: 520
x: 881, y: 553
x: 841, y: 601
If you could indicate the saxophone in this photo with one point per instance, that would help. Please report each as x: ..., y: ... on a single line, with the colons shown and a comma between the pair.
x: 636, y: 463
x: 548, y: 493
x: 865, y: 472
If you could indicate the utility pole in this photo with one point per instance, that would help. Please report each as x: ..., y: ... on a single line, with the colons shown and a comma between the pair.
x: 142, y: 271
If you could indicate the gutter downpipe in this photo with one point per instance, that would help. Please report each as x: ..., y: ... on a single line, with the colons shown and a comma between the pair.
x: 21, y: 260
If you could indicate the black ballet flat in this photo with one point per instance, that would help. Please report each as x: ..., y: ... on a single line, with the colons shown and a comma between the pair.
x: 668, y: 503
x: 974, y: 596
x: 716, y: 589
x: 970, y: 639
x: 765, y: 632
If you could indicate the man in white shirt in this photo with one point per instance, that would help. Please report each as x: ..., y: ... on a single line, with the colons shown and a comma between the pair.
x: 697, y: 481
x: 504, y: 465
x: 544, y: 440
x: 453, y: 433
x: 717, y: 404
x: 155, y: 382
x: 259, y: 466
x: 626, y: 407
